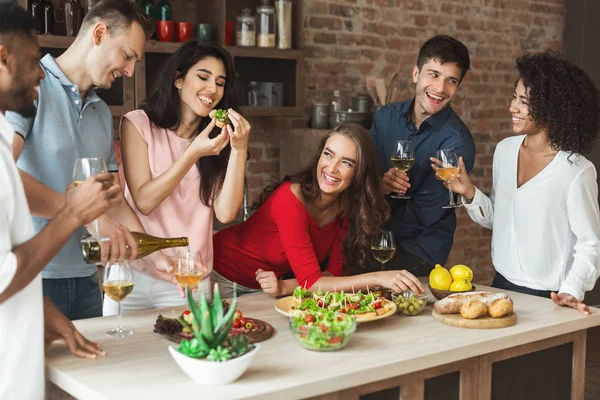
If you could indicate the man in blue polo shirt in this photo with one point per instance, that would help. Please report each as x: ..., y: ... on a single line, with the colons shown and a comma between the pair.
x: 424, y: 231
x: 72, y: 122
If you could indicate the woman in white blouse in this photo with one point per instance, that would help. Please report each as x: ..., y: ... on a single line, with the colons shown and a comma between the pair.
x: 544, y: 203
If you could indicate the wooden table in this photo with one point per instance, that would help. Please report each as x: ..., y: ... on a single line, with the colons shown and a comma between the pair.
x: 398, y: 351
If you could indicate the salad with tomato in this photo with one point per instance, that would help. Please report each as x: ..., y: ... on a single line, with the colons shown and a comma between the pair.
x: 323, y: 330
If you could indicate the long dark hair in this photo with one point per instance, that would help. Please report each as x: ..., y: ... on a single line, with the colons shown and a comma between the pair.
x: 363, y: 203
x: 162, y: 107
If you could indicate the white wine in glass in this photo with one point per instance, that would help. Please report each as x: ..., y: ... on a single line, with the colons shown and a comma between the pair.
x: 448, y: 171
x: 383, y: 247
x: 84, y: 168
x: 189, y: 269
x: 403, y: 158
x: 118, y: 284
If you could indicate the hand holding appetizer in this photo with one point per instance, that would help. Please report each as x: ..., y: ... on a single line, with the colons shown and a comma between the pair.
x: 238, y: 136
x: 220, y: 117
x: 203, y: 145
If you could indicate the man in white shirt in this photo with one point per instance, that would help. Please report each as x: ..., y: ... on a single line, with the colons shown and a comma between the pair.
x: 23, y: 254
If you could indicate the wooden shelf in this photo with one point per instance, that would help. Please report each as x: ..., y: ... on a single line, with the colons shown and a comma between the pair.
x: 154, y: 46
x: 55, y: 42
x: 262, y: 52
x: 273, y: 111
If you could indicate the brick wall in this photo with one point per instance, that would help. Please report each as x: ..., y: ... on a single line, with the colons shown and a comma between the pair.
x: 345, y: 40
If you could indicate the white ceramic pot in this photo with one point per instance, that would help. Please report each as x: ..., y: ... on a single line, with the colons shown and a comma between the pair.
x: 212, y: 372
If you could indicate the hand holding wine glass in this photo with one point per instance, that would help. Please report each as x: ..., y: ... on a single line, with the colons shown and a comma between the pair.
x: 461, y: 184
x: 118, y: 284
x: 403, y: 158
x: 85, y: 168
x: 92, y: 198
x: 383, y: 247
x: 448, y: 169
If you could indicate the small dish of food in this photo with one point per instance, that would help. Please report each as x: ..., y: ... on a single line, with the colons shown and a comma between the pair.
x: 409, y: 303
x: 323, y: 330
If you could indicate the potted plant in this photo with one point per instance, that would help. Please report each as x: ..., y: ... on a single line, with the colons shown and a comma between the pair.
x: 213, y: 355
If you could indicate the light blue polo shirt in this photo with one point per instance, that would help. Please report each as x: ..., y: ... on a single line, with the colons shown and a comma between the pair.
x: 63, y: 130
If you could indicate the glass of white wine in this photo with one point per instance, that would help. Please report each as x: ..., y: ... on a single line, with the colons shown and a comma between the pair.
x: 403, y: 158
x: 189, y: 267
x: 448, y: 170
x: 118, y: 284
x: 84, y: 168
x: 383, y: 247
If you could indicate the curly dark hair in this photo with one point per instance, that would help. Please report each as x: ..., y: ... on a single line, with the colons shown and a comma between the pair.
x: 563, y: 100
x: 363, y: 204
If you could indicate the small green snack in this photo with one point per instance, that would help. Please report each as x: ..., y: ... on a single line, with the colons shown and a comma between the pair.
x: 220, y: 116
x: 410, y: 305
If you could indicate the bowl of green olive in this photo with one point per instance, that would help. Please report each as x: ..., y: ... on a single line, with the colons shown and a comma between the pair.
x: 409, y: 303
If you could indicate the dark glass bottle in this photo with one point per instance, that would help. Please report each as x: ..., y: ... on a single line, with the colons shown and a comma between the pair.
x: 166, y: 11
x: 48, y: 18
x: 152, y: 11
x: 37, y: 11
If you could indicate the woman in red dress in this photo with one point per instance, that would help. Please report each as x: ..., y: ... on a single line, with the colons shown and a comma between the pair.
x: 331, y: 210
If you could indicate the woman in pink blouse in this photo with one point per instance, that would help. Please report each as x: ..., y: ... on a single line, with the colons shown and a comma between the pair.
x: 179, y: 167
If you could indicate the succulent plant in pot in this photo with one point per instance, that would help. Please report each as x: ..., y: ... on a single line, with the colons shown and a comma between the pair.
x: 213, y: 356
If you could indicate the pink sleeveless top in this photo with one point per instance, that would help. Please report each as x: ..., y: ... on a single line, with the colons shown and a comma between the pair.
x: 182, y: 213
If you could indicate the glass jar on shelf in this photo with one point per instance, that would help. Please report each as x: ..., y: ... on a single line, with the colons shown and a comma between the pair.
x: 265, y: 25
x: 283, y: 11
x: 246, y: 29
x: 337, y: 102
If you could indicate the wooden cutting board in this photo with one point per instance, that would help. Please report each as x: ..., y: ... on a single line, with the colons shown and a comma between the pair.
x: 486, y: 322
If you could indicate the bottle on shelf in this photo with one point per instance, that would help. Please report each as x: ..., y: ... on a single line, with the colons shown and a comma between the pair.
x: 48, y: 18
x: 165, y: 10
x: 265, y: 25
x: 72, y: 17
x: 283, y: 11
x: 152, y: 11
x: 246, y: 29
x: 147, y: 244
x: 37, y: 11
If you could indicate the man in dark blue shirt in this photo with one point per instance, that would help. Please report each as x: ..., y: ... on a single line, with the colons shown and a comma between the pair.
x: 424, y: 231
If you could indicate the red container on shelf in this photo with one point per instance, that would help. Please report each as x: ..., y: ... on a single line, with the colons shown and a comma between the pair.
x: 165, y: 31
x: 229, y: 26
x: 184, y: 31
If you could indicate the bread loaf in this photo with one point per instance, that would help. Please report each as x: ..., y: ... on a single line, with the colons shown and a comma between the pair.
x: 453, y: 303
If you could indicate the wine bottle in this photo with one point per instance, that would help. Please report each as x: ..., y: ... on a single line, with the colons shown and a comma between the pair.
x: 146, y: 245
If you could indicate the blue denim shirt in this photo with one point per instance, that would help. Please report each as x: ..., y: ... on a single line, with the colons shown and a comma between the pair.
x: 420, y: 224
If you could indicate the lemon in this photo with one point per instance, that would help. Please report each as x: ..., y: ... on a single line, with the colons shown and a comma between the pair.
x: 460, y: 285
x: 461, y: 272
x: 440, y: 278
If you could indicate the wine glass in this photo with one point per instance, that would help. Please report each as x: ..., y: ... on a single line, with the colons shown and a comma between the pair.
x: 403, y: 158
x: 189, y: 267
x: 84, y: 168
x: 448, y: 171
x: 383, y: 247
x: 118, y: 284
